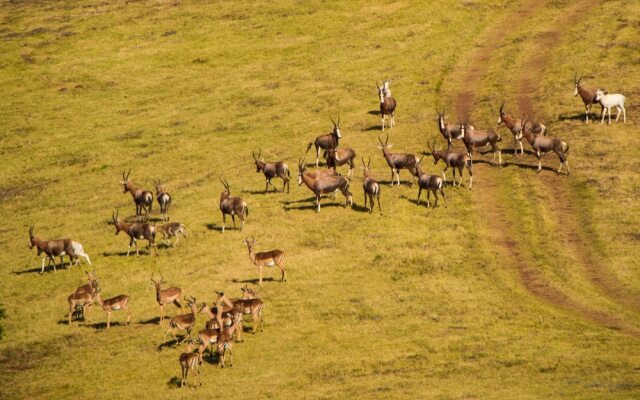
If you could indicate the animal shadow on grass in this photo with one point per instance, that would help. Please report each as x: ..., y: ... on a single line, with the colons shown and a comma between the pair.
x: 34, y: 270
x: 522, y: 165
x: 262, y: 192
x: 170, y: 343
x: 512, y: 152
x: 360, y: 208
x: 155, y: 321
x: 214, y: 227
x: 253, y: 281
x: 374, y: 112
x: 102, y: 325
x: 576, y: 117
x: 313, y: 206
x: 143, y: 252
x: 174, y: 382
x: 405, y: 183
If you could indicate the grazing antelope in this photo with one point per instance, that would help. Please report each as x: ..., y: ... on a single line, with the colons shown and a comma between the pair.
x: 387, y: 106
x: 267, y: 258
x: 172, y: 229
x: 449, y: 131
x: 190, y: 361
x: 611, y: 100
x: 81, y: 300
x: 90, y: 287
x: 455, y: 160
x: 431, y: 183
x: 473, y: 139
x: 321, y: 183
x: 370, y: 186
x: 114, y: 304
x: 515, y: 126
x: 164, y: 201
x: 341, y: 156
x: 542, y: 145
x: 183, y: 322
x: 166, y: 296
x: 397, y: 161
x: 271, y: 170
x: 58, y: 248
x: 142, y: 198
x: 136, y: 231
x: 588, y: 96
x: 232, y: 206
x: 324, y: 142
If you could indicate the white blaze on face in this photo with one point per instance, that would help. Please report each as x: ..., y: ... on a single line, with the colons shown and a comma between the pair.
x: 575, y: 92
x: 338, y: 133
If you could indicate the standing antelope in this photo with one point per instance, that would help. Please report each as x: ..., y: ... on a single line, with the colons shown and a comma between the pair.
x: 232, y: 206
x: 324, y: 142
x: 164, y: 201
x: 588, y: 96
x: 321, y: 183
x: 91, y: 286
x: 448, y: 130
x: 387, y: 106
x: 142, y: 198
x: 172, y: 229
x: 385, y: 88
x: 611, y: 100
x: 397, y: 161
x: 542, y: 145
x: 455, y: 160
x: 190, y: 361
x: 58, y: 248
x: 225, y: 342
x: 341, y: 156
x: 251, y: 304
x: 473, y: 139
x: 271, y: 170
x: 136, y: 231
x: 166, y: 296
x: 267, y: 258
x: 183, y: 322
x: 431, y: 183
x: 370, y: 186
x: 82, y: 300
x: 120, y: 302
x: 515, y: 126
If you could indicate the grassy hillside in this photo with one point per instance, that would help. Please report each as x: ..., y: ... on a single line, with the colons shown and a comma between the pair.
x: 525, y: 287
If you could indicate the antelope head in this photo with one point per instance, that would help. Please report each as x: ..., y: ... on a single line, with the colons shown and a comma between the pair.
x: 336, y: 128
x: 226, y: 192
x: 434, y: 152
x: 301, y: 169
x: 125, y: 181
x: 249, y: 243
x: 366, y: 166
x: 32, y: 238
x: 256, y: 159
x: 501, y: 112
x: 576, y: 82
x: 384, y: 146
x: 115, y: 219
x: 380, y: 91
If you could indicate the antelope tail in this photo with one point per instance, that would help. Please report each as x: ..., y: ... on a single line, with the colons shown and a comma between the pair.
x: 565, y: 148
x: 499, y: 138
x: 246, y: 209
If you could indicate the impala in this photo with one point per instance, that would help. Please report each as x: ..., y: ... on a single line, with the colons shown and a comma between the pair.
x: 190, y: 361
x: 387, y: 107
x: 183, y: 322
x: 324, y: 142
x: 515, y: 126
x: 431, y: 183
x: 396, y: 161
x: 142, y: 198
x: 341, y: 156
x: 166, y: 296
x: 82, y: 300
x: 542, y: 145
x: 120, y: 302
x: 473, y: 139
x: 320, y: 183
x: 267, y: 258
x: 611, y: 100
x: 172, y: 229
x: 225, y: 342
x: 232, y: 206
x: 164, y: 201
x: 588, y: 96
x: 371, y: 187
x: 271, y: 170
x: 91, y: 286
x: 251, y: 305
x: 455, y: 160
x: 136, y: 231
x: 58, y: 248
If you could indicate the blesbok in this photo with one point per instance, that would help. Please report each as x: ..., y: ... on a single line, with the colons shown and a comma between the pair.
x: 431, y: 183
x: 397, y: 161
x: 142, y: 198
x: 387, y: 107
x: 271, y: 170
x: 324, y: 142
x: 370, y: 186
x: 166, y: 296
x: 588, y: 96
x: 232, y: 206
x: 611, y: 100
x: 190, y: 361
x: 120, y: 302
x: 136, y: 231
x: 455, y: 160
x: 82, y: 300
x: 183, y: 322
x: 474, y: 139
x: 266, y: 258
x: 321, y: 183
x: 542, y: 145
x: 58, y: 248
x: 448, y: 130
x: 341, y: 156
x: 172, y: 229
x: 164, y: 201
x: 385, y: 88
x: 515, y: 126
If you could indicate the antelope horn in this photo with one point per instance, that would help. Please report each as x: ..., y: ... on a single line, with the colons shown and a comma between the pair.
x: 332, y: 121
x: 259, y: 152
x: 363, y: 163
x: 501, y: 106
x: 387, y: 139
x: 369, y: 163
x: 380, y: 140
x: 253, y: 153
x: 377, y: 85
x: 338, y: 120
x: 575, y: 77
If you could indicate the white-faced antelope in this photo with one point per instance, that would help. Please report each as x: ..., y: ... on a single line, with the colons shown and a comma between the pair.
x: 57, y: 248
x: 396, y: 161
x: 190, y: 361
x: 324, y: 142
x: 166, y: 296
x: 588, y: 96
x: 183, y: 322
x: 320, y: 184
x: 455, y: 160
x: 232, y: 206
x: 266, y: 259
x: 142, y: 198
x: 611, y: 100
x: 448, y: 130
x: 341, y: 156
x: 120, y: 302
x: 431, y: 183
x: 515, y: 126
x: 474, y: 139
x: 387, y: 106
x: 172, y: 229
x: 271, y: 170
x: 542, y: 145
x: 136, y: 231
x: 370, y: 186
x: 164, y: 201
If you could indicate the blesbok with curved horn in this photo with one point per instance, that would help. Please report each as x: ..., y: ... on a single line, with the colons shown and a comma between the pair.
x: 448, y: 130
x: 266, y: 259
x: 515, y: 126
x: 430, y: 183
x: 474, y: 139
x: 611, y: 100
x: 190, y: 362
x: 83, y: 301
x: 320, y: 184
x: 142, y: 198
x: 397, y: 161
x: 271, y: 170
x: 453, y: 159
x: 324, y: 142
x: 120, y: 302
x: 387, y: 107
x: 588, y: 95
x: 341, y: 156
x: 183, y: 322
x: 232, y: 206
x: 166, y: 296
x: 370, y: 186
x: 57, y: 248
x: 172, y: 229
x: 164, y: 200
x: 542, y: 145
x: 136, y: 231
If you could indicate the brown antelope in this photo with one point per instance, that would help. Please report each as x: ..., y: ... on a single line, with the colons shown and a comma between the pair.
x: 114, y: 304
x: 455, y: 160
x: 219, y: 313
x: 166, y: 296
x: 387, y: 105
x: 164, y: 201
x: 267, y: 258
x: 172, y: 229
x: 183, y: 322
x: 612, y: 100
x: 515, y: 126
x: 142, y: 198
x: 588, y: 96
x: 232, y: 206
x: 225, y: 342
x: 81, y: 300
x: 271, y: 170
x: 396, y: 161
x: 448, y: 130
x: 251, y: 305
x: 136, y: 231
x: 370, y: 186
x: 431, y: 183
x: 190, y: 361
x: 91, y: 286
x: 473, y: 139
x: 58, y: 248
x: 321, y: 183
x: 542, y: 145
x: 341, y: 156
x: 324, y: 142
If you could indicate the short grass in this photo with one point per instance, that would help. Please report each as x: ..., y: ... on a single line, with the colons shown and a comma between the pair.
x: 414, y: 303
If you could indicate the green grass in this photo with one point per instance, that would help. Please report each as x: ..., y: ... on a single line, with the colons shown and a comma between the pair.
x: 415, y: 303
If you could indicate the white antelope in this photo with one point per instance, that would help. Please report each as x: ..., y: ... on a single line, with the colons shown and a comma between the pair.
x: 611, y: 100
x: 267, y: 258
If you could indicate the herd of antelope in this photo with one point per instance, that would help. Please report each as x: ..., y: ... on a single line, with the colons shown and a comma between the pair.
x: 225, y: 316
